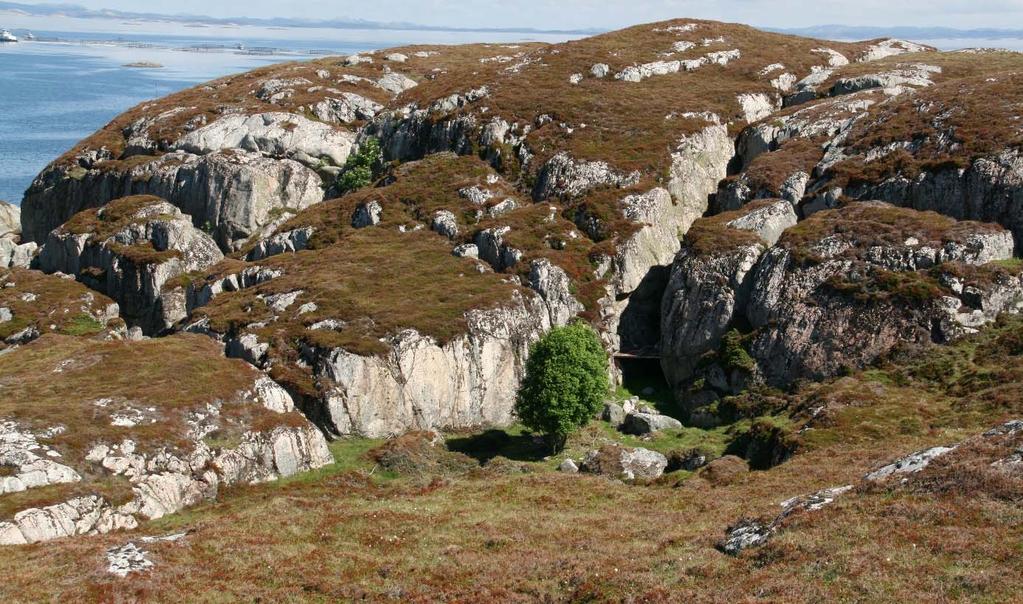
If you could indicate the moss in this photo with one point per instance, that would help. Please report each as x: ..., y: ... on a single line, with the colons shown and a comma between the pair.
x: 733, y: 352
x: 82, y: 325
x: 878, y: 285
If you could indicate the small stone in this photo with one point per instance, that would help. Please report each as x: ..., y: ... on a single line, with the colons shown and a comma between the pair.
x: 569, y: 467
x: 367, y: 214
x: 466, y: 250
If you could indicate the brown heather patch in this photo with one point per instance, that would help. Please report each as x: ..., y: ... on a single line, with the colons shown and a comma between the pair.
x: 868, y: 224
x: 712, y: 235
x: 978, y: 113
x: 56, y: 379
x: 768, y: 171
x: 616, y: 131
x: 62, y: 303
x: 104, y: 222
x: 378, y: 280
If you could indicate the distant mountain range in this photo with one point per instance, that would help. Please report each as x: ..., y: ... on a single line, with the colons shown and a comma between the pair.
x: 80, y: 12
x: 841, y: 32
x: 855, y: 32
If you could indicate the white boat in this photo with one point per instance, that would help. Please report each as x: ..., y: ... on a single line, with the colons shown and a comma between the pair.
x: 6, y: 36
x: 30, y: 36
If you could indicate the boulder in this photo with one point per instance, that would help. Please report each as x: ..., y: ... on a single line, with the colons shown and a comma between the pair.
x: 568, y: 467
x: 613, y: 414
x: 624, y: 463
x: 744, y: 534
x: 367, y: 214
x: 641, y: 424
x: 14, y: 255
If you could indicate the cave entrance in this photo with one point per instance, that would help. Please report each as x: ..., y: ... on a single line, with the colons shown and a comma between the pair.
x: 639, y: 329
x: 642, y: 376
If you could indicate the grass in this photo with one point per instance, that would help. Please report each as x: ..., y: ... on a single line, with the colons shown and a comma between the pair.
x: 82, y: 325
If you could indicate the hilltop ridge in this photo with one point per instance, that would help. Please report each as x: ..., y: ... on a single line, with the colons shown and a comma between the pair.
x: 802, y: 257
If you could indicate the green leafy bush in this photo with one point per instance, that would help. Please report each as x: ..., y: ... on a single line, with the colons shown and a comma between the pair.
x: 565, y: 383
x: 362, y: 167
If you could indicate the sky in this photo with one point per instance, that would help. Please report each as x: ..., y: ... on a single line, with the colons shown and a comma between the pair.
x: 604, y: 14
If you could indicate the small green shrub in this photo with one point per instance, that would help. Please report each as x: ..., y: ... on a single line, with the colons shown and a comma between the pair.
x: 733, y: 354
x: 565, y: 383
x: 362, y: 167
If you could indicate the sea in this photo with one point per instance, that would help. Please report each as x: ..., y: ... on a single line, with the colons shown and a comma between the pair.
x: 63, y: 86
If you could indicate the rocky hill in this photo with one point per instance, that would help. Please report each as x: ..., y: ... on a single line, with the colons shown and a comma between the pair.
x: 743, y: 216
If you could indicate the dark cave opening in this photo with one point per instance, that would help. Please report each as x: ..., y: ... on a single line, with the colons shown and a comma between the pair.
x: 639, y: 329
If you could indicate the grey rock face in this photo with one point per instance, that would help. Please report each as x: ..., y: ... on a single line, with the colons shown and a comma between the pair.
x: 990, y: 189
x: 137, y: 287
x: 10, y: 219
x: 278, y: 135
x: 236, y: 193
x: 815, y: 331
x: 564, y: 176
x: 421, y: 385
x: 917, y: 75
x: 493, y: 250
x: 768, y: 221
x: 554, y: 286
x: 704, y: 296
